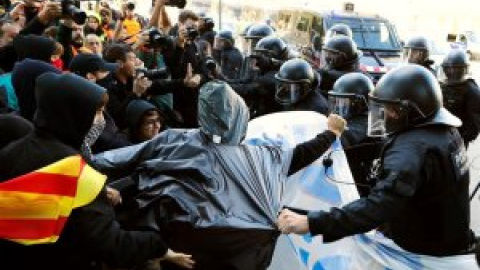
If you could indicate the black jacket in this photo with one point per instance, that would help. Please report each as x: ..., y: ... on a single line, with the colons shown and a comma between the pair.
x: 361, y: 151
x: 421, y: 196
x: 463, y: 100
x: 8, y: 54
x: 185, y: 100
x: 259, y: 93
x: 230, y: 61
x: 65, y: 113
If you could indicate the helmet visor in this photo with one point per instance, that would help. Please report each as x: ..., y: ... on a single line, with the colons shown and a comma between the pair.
x: 288, y: 93
x: 384, y: 118
x: 341, y: 105
x: 415, y: 56
x: 334, y: 59
x: 453, y: 74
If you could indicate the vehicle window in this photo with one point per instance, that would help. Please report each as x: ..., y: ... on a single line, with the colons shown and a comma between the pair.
x: 303, y: 24
x: 463, y: 39
x: 371, y: 34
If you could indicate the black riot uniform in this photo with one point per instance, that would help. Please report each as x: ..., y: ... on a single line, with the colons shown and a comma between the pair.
x: 252, y: 36
x: 461, y: 95
x: 259, y: 90
x: 227, y: 55
x: 341, y: 57
x: 296, y: 88
x: 349, y: 99
x: 417, y: 51
x: 422, y: 192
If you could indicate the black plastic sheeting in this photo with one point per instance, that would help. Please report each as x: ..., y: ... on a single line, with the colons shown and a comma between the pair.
x: 218, y: 202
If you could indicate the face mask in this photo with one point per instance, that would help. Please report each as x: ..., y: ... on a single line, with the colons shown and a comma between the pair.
x: 92, y: 136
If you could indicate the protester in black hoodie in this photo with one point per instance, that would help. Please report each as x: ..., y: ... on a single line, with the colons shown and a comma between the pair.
x: 36, y: 26
x: 67, y: 105
x: 24, y: 77
x: 12, y: 128
x: 144, y: 121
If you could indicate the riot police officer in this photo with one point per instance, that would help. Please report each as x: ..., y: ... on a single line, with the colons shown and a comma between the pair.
x: 422, y: 192
x: 341, y: 56
x: 252, y: 36
x: 296, y: 88
x: 461, y: 95
x: 227, y: 55
x: 259, y: 90
x: 417, y: 51
x: 349, y: 99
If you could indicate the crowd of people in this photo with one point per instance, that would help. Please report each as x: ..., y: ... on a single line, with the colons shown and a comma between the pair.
x: 159, y: 107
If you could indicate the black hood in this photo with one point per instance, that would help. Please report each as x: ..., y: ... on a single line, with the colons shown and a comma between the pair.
x: 34, y: 47
x: 66, y: 106
x: 24, y: 75
x: 12, y: 128
x: 135, y: 110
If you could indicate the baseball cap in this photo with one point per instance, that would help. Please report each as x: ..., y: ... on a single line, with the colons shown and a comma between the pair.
x: 90, y: 63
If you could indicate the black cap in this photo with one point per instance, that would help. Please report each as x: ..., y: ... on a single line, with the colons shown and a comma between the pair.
x: 90, y: 63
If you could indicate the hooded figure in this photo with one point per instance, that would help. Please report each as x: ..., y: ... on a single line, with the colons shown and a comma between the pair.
x: 24, y: 76
x: 34, y: 47
x: 211, y: 196
x: 12, y: 128
x: 144, y: 120
x: 66, y: 108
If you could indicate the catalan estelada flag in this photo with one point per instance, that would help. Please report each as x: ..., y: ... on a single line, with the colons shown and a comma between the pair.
x: 35, y: 207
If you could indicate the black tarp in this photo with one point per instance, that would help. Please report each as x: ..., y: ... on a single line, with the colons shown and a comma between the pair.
x: 216, y: 201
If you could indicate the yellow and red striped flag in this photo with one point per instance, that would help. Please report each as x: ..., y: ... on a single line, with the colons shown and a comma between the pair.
x: 35, y: 207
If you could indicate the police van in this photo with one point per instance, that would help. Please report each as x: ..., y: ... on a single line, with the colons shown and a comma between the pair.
x: 375, y: 36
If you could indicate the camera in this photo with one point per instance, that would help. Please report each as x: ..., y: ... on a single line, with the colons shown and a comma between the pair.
x: 210, y: 63
x: 156, y: 39
x: 192, y: 33
x: 70, y: 9
x: 153, y: 74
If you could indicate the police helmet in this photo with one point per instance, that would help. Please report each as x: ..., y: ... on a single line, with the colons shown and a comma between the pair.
x: 295, y: 80
x: 339, y: 29
x: 340, y: 51
x: 259, y: 31
x: 254, y: 34
x: 226, y: 35
x: 407, y: 96
x: 454, y: 68
x: 350, y: 94
x: 273, y: 47
x: 417, y: 50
